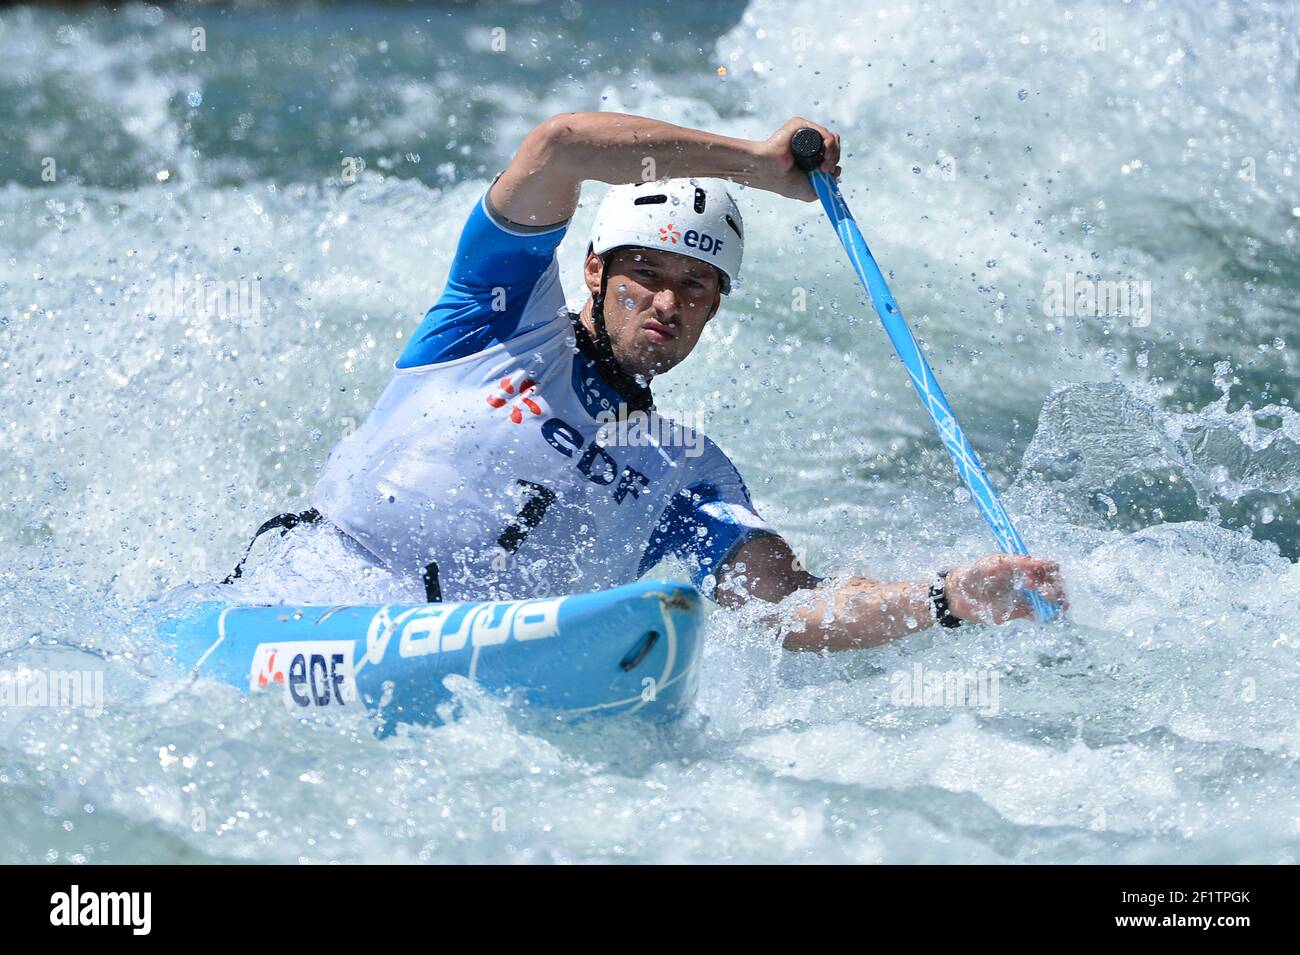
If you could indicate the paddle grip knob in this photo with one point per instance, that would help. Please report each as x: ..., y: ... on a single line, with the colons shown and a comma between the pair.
x: 808, y: 147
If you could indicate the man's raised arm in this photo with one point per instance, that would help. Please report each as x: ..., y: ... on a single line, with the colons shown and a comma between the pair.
x: 541, y: 185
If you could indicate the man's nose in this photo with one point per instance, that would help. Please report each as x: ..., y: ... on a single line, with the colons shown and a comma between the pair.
x: 665, y: 302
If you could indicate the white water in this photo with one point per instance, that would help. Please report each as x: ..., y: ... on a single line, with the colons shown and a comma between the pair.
x: 992, y: 149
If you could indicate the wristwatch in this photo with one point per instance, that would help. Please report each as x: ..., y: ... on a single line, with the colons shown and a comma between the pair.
x: 939, y: 602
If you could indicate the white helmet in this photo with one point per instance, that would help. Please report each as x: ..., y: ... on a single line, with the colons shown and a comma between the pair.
x: 693, y: 217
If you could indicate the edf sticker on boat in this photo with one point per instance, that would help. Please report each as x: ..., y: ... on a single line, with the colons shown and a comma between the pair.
x: 315, y: 673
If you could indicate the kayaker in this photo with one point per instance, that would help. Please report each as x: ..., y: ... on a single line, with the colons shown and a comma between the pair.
x: 489, y: 468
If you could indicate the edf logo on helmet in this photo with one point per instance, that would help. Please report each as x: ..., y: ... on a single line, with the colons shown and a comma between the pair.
x: 692, y: 216
x: 691, y: 239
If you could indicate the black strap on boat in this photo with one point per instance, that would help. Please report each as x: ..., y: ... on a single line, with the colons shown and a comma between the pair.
x: 432, y: 588
x: 286, y: 521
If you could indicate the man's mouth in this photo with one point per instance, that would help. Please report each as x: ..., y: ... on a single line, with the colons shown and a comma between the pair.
x: 658, y: 332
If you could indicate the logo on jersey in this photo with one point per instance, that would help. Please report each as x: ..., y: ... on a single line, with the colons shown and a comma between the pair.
x: 595, y: 463
x: 315, y: 673
x: 669, y: 233
x: 507, y: 391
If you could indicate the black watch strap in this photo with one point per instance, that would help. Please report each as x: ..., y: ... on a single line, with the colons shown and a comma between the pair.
x: 939, y: 602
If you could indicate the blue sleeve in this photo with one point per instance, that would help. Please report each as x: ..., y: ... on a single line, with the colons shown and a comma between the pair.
x: 497, y: 268
x: 707, y: 520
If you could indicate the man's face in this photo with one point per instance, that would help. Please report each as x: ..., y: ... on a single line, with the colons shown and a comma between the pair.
x: 656, y: 306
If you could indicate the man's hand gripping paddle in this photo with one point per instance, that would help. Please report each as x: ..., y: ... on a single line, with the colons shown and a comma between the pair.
x: 808, y: 148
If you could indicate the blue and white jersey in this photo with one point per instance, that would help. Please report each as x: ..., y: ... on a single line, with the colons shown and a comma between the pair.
x: 485, y: 454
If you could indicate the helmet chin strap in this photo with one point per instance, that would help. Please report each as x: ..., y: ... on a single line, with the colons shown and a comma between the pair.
x: 600, y: 348
x: 603, y: 341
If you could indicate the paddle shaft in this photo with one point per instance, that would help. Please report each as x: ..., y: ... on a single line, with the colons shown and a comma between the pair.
x: 808, y: 149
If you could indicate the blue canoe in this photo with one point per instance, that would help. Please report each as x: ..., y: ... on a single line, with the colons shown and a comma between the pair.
x: 633, y: 649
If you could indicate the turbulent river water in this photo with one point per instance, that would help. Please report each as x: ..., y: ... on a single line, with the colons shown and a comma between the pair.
x: 1089, y: 214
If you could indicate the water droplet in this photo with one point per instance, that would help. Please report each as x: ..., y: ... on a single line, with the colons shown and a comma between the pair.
x: 195, y: 99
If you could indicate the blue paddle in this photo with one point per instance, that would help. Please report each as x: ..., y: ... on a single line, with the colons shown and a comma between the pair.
x: 809, y: 150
